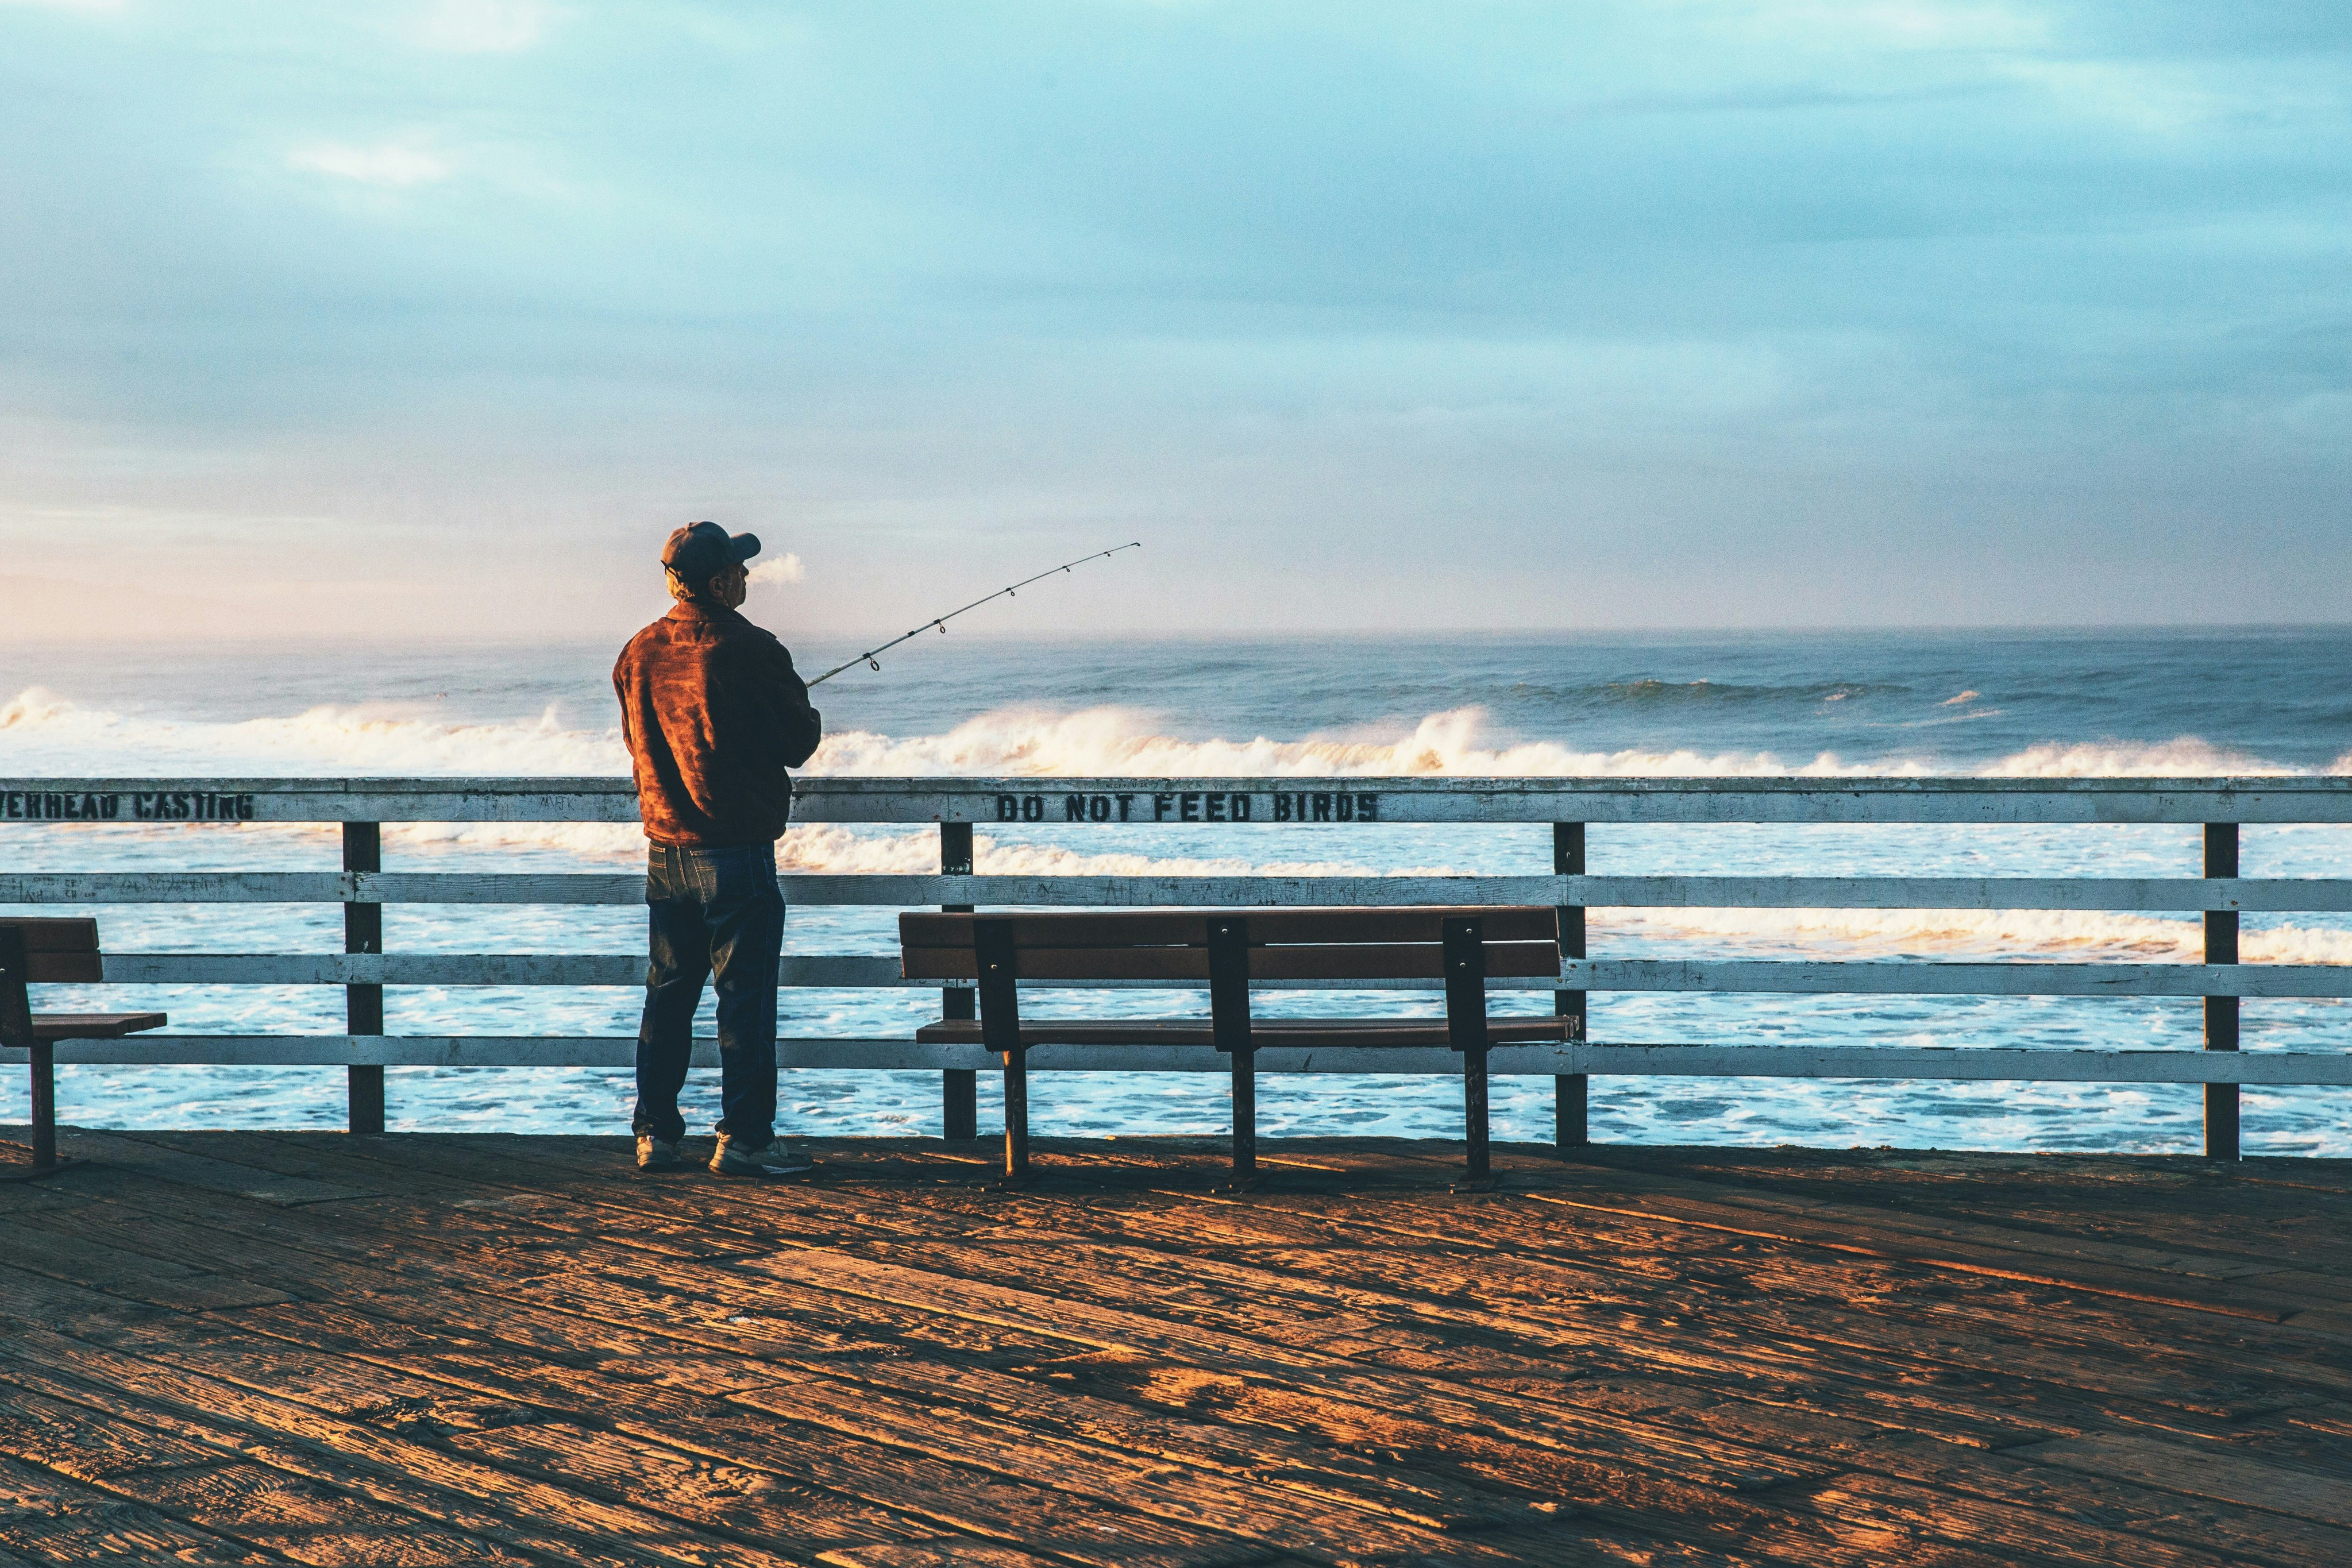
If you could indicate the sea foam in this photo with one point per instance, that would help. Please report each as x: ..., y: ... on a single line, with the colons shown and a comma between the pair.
x: 45, y: 735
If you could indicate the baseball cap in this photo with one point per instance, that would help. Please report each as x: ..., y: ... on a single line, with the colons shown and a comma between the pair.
x: 700, y: 552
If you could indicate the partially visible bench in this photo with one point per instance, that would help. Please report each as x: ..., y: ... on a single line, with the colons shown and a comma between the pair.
x: 1227, y: 949
x: 52, y: 952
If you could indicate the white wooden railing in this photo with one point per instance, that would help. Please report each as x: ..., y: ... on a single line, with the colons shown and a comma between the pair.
x: 2214, y: 806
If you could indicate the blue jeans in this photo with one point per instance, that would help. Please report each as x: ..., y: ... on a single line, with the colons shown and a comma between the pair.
x: 716, y: 914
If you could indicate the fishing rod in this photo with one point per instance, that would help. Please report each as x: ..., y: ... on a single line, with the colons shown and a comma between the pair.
x: 870, y: 657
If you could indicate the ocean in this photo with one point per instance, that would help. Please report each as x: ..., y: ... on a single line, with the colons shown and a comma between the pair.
x: 2029, y: 703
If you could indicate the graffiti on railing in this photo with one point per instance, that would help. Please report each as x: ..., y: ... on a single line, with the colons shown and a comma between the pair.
x: 1189, y: 806
x: 140, y: 805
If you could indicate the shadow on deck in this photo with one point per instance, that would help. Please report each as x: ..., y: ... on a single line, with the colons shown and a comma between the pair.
x: 256, y: 1347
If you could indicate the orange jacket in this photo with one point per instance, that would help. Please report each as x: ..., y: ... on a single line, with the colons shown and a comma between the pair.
x: 714, y: 713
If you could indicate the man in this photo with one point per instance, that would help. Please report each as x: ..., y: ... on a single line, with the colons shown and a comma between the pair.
x: 713, y: 714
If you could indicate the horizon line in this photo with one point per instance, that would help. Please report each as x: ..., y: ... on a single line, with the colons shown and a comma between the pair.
x: 1391, y: 634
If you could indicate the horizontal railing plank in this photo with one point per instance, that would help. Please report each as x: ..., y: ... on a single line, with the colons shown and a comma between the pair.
x: 1641, y: 1061
x: 1958, y: 979
x: 1275, y: 801
x: 175, y: 887
x: 1012, y: 802
x: 851, y: 970
x: 859, y: 971
x: 2104, y: 895
x: 2127, y: 894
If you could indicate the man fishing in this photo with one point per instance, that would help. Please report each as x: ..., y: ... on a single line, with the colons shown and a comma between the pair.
x: 713, y: 714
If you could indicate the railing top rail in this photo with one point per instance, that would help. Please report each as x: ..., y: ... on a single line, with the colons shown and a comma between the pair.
x: 1258, y: 800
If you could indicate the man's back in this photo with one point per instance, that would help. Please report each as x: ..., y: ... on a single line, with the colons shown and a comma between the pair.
x: 714, y: 713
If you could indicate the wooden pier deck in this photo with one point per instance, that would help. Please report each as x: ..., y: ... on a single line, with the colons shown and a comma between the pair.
x: 317, y: 1348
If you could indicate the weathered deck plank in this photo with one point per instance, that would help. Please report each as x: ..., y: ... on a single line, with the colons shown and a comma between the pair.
x: 941, y: 1437
x: 271, y: 1347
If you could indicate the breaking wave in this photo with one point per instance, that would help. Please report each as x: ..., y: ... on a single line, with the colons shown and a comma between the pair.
x: 45, y: 735
x: 1109, y: 741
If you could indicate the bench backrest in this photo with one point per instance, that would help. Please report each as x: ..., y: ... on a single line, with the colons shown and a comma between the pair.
x: 57, y: 952
x: 36, y: 952
x: 1518, y: 940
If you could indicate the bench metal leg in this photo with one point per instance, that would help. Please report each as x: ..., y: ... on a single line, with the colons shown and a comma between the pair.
x: 1000, y: 1032
x: 44, y: 1106
x: 1465, y: 1027
x: 17, y: 1030
x: 1245, y: 1116
x: 1016, y: 1117
x: 1229, y: 1026
x: 1474, y: 1111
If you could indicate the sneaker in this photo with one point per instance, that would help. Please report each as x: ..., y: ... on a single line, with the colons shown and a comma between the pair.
x: 771, y: 1158
x: 655, y: 1154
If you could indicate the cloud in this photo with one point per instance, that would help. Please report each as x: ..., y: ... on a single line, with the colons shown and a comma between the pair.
x: 1887, y: 23
x: 484, y: 26
x: 392, y: 164
x: 2131, y: 95
x: 783, y: 569
x: 1824, y: 310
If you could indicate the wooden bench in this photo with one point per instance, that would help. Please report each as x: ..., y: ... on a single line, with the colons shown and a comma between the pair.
x: 1227, y: 949
x: 52, y: 952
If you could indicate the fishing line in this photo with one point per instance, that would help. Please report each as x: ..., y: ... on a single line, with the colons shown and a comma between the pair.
x: 870, y: 657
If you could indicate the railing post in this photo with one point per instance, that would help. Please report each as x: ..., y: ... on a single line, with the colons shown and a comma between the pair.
x: 2221, y: 1012
x: 1568, y: 1089
x: 363, y: 1005
x: 959, y: 1086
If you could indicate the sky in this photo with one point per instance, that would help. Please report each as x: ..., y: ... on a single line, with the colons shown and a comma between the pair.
x: 430, y: 320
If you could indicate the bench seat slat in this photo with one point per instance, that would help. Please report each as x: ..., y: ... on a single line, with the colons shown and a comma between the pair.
x: 1174, y: 927
x: 1359, y: 961
x: 93, y: 1026
x: 1299, y: 1033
